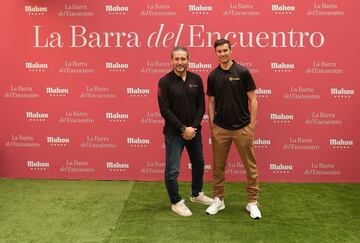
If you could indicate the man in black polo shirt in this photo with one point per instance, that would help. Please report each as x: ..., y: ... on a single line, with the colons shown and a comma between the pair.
x: 232, y: 114
x: 182, y: 105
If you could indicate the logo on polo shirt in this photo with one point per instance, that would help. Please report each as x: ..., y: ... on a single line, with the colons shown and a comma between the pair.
x: 234, y: 78
x: 193, y: 85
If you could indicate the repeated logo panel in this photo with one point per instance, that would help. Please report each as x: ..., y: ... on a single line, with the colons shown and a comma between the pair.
x: 79, y: 86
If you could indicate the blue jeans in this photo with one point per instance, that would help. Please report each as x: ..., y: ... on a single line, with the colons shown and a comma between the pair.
x: 174, y: 148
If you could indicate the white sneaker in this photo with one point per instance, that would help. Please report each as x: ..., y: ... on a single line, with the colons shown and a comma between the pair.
x: 202, y: 198
x: 254, y: 210
x: 181, y: 209
x: 216, y: 206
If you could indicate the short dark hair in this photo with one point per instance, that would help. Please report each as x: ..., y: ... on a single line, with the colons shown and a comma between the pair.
x: 221, y: 42
x: 179, y: 48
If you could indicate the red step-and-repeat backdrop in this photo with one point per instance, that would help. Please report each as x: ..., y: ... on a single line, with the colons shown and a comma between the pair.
x: 79, y: 85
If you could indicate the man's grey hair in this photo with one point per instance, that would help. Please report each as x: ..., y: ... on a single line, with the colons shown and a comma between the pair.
x: 179, y: 48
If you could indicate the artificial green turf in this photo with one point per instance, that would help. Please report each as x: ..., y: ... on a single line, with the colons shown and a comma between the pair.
x: 60, y: 211
x: 120, y: 211
x: 291, y: 213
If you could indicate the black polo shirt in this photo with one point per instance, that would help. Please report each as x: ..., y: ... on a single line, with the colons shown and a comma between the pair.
x: 182, y: 103
x: 230, y: 87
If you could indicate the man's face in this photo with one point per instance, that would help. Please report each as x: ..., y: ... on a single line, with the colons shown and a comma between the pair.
x: 223, y: 53
x: 179, y: 61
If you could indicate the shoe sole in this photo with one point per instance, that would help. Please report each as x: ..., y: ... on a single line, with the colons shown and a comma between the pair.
x: 212, y: 213
x: 180, y: 213
x: 251, y: 216
x: 204, y: 203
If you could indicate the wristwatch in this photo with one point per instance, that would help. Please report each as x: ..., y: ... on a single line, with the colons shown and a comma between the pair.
x: 182, y: 129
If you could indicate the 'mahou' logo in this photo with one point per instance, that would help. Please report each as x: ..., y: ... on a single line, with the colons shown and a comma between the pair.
x: 282, y: 67
x: 262, y: 143
x: 280, y: 168
x: 36, y: 116
x: 116, y: 67
x: 200, y: 67
x: 206, y: 167
x: 36, y: 67
x: 205, y: 118
x: 35, y: 10
x: 57, y: 141
x: 116, y: 9
x: 56, y: 91
x: 341, y: 143
x: 263, y: 93
x: 137, y: 92
x: 342, y: 93
x: 116, y: 117
x: 200, y: 9
x: 283, y: 9
x: 281, y: 118
x: 37, y: 165
x: 138, y: 142
x: 116, y: 166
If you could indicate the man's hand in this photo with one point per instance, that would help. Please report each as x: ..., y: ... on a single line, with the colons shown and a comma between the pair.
x: 189, y: 133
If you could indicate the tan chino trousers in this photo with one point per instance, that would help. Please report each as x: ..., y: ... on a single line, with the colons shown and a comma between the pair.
x: 221, y: 142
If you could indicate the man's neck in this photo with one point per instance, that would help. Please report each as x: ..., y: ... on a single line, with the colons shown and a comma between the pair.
x: 226, y: 66
x: 182, y: 74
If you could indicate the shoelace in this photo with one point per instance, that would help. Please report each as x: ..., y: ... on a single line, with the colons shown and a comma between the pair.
x: 183, y: 206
